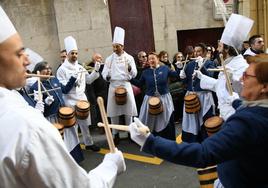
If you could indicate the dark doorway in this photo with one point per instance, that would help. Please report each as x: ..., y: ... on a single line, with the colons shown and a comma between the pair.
x: 192, y: 37
x: 136, y: 18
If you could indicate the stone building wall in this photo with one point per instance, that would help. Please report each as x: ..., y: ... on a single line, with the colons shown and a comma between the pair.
x: 43, y: 24
x: 172, y: 15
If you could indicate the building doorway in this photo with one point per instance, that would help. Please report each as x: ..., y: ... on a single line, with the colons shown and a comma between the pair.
x: 209, y: 36
x: 136, y: 18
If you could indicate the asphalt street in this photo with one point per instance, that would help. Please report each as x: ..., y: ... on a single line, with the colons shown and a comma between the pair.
x: 143, y: 170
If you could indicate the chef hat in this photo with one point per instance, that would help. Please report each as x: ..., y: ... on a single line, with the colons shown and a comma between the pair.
x: 119, y: 36
x: 236, y: 30
x: 6, y: 27
x: 33, y: 57
x: 70, y: 44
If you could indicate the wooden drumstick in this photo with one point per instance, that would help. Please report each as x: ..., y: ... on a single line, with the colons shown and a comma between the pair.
x: 106, y: 128
x: 45, y: 89
x: 215, y: 70
x: 82, y: 71
x: 39, y: 76
x: 142, y: 130
x: 185, y: 62
x: 39, y: 87
x: 56, y: 88
x: 228, y: 82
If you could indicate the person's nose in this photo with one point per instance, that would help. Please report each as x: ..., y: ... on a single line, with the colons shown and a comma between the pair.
x: 26, y: 60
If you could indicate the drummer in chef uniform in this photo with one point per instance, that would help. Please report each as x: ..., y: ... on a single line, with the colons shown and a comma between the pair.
x: 69, y: 68
x: 119, y: 68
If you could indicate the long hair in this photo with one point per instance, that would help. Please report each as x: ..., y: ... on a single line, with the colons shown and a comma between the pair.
x: 231, y: 50
x: 40, y: 66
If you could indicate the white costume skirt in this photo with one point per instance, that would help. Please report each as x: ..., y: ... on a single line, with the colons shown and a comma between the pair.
x: 157, y: 122
x: 129, y: 108
x: 191, y: 123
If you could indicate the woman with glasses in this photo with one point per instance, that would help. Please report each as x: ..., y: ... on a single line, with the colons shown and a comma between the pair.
x: 164, y: 60
x: 239, y: 149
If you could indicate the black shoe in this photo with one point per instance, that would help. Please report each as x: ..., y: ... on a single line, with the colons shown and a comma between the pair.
x: 93, y: 148
x: 116, y: 139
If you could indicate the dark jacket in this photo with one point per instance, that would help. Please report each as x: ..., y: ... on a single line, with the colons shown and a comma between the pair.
x: 240, y: 149
x: 57, y: 94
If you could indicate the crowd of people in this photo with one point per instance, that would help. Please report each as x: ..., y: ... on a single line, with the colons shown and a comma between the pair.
x: 199, y: 83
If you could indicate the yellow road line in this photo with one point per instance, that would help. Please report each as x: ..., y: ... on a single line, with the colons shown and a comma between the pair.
x: 140, y: 158
x: 178, y: 139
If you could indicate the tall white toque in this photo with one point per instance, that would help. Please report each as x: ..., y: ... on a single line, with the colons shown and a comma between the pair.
x: 6, y: 27
x: 119, y: 36
x: 33, y: 57
x: 236, y: 30
x: 70, y: 44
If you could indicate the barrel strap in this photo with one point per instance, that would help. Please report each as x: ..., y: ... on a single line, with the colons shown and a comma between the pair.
x: 155, y: 82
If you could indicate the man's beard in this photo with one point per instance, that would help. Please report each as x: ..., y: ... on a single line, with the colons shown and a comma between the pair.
x: 73, y: 59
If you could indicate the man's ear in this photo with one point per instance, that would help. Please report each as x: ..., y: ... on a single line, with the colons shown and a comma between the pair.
x: 265, y: 89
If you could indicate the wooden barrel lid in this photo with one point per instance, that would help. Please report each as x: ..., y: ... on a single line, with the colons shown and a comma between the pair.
x: 120, y: 91
x: 66, y: 110
x: 190, y: 97
x: 154, y: 101
x: 83, y: 104
x: 213, y: 122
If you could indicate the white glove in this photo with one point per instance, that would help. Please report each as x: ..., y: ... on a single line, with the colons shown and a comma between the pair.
x: 199, y: 60
x: 182, y: 74
x: 230, y: 99
x: 36, y: 96
x: 97, y: 66
x: 179, y: 64
x: 198, y: 74
x: 136, y: 134
x: 118, y: 159
x: 49, y: 100
x: 40, y: 106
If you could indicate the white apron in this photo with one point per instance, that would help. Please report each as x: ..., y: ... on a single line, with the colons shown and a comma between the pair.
x: 77, y: 93
x: 117, y: 68
x: 129, y: 108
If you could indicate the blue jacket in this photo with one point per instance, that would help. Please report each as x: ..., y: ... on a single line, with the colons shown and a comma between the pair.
x: 147, y: 77
x: 26, y: 97
x: 189, y: 70
x: 57, y: 94
x: 240, y: 149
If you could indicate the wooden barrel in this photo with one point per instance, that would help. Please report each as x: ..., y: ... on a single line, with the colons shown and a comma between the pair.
x: 207, y: 176
x: 120, y: 95
x: 192, y: 103
x: 60, y: 128
x: 67, y: 116
x: 213, y: 124
x: 82, y: 109
x: 155, y: 106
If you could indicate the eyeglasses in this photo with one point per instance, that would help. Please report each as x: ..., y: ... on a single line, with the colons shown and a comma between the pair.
x: 246, y: 75
x: 144, y: 56
x: 260, y: 41
x: 179, y: 56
